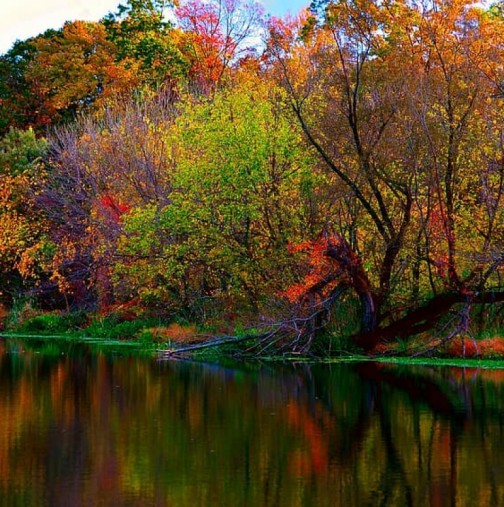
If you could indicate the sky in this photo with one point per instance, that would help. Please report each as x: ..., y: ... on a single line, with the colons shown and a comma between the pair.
x: 20, y: 19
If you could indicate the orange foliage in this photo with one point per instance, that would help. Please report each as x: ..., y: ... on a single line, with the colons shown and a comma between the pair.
x: 175, y: 333
x: 316, y: 460
x: 329, y: 260
x: 78, y: 68
x: 465, y: 347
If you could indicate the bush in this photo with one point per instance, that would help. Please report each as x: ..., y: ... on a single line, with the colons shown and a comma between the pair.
x: 51, y: 323
x: 111, y: 327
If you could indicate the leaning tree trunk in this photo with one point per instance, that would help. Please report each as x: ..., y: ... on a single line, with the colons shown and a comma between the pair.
x: 353, y: 275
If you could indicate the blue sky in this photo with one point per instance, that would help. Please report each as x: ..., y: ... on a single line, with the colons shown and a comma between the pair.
x: 20, y: 19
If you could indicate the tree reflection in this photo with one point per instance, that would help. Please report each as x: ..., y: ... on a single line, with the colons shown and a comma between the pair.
x: 86, y: 429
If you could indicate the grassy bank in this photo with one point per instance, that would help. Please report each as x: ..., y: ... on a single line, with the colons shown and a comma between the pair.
x: 126, y: 328
x: 122, y: 329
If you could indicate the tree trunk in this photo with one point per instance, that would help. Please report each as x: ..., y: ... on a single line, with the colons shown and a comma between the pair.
x: 422, y: 319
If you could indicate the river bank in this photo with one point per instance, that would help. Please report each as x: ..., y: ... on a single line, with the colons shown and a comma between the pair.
x: 130, y: 330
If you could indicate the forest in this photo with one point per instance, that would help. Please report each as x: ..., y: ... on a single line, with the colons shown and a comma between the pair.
x: 335, y: 173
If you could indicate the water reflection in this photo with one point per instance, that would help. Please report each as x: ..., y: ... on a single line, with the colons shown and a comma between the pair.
x: 83, y: 429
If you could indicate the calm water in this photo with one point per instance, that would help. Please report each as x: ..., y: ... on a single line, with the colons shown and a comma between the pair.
x: 82, y: 429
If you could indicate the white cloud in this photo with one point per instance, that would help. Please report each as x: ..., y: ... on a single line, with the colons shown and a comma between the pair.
x: 27, y: 18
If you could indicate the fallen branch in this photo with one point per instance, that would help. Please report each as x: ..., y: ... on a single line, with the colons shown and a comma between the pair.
x: 214, y: 343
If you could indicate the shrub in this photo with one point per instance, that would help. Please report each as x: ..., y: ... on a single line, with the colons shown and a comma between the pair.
x: 111, y: 327
x: 52, y: 323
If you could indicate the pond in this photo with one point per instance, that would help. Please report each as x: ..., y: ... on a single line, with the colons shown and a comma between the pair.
x: 81, y: 428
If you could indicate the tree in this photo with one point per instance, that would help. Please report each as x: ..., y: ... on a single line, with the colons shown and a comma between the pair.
x: 52, y: 77
x: 101, y: 167
x: 76, y: 69
x: 24, y: 245
x: 20, y: 106
x: 218, y: 33
x: 241, y: 192
x: 396, y: 99
x: 143, y: 36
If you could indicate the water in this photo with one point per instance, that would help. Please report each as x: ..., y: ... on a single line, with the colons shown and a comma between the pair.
x: 90, y: 429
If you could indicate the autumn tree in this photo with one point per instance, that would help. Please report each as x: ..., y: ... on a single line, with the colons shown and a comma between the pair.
x: 25, y: 248
x: 52, y: 77
x: 142, y: 47
x: 76, y: 69
x: 398, y: 101
x: 360, y: 158
x: 241, y: 192
x: 217, y: 34
x: 101, y: 167
x: 49, y: 79
x: 144, y: 37
x: 21, y: 107
x: 182, y: 202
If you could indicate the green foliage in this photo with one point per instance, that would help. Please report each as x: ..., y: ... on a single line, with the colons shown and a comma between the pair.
x: 200, y: 204
x: 81, y: 324
x: 112, y: 327
x: 239, y: 198
x: 49, y: 79
x: 17, y: 101
x: 140, y: 31
x: 20, y: 151
x: 140, y: 16
x: 53, y: 324
x: 22, y: 95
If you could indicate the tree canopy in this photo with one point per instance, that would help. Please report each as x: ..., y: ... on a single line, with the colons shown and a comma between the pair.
x: 347, y: 161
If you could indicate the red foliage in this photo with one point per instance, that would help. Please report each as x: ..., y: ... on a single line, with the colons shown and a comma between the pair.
x: 283, y: 32
x: 114, y: 208
x: 211, y: 46
x: 218, y: 32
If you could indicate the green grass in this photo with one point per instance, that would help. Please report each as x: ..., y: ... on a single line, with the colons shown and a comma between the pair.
x: 112, y: 327
x: 112, y: 333
x: 51, y: 323
x: 442, y: 361
x: 80, y: 324
x: 58, y: 344
x: 52, y: 345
